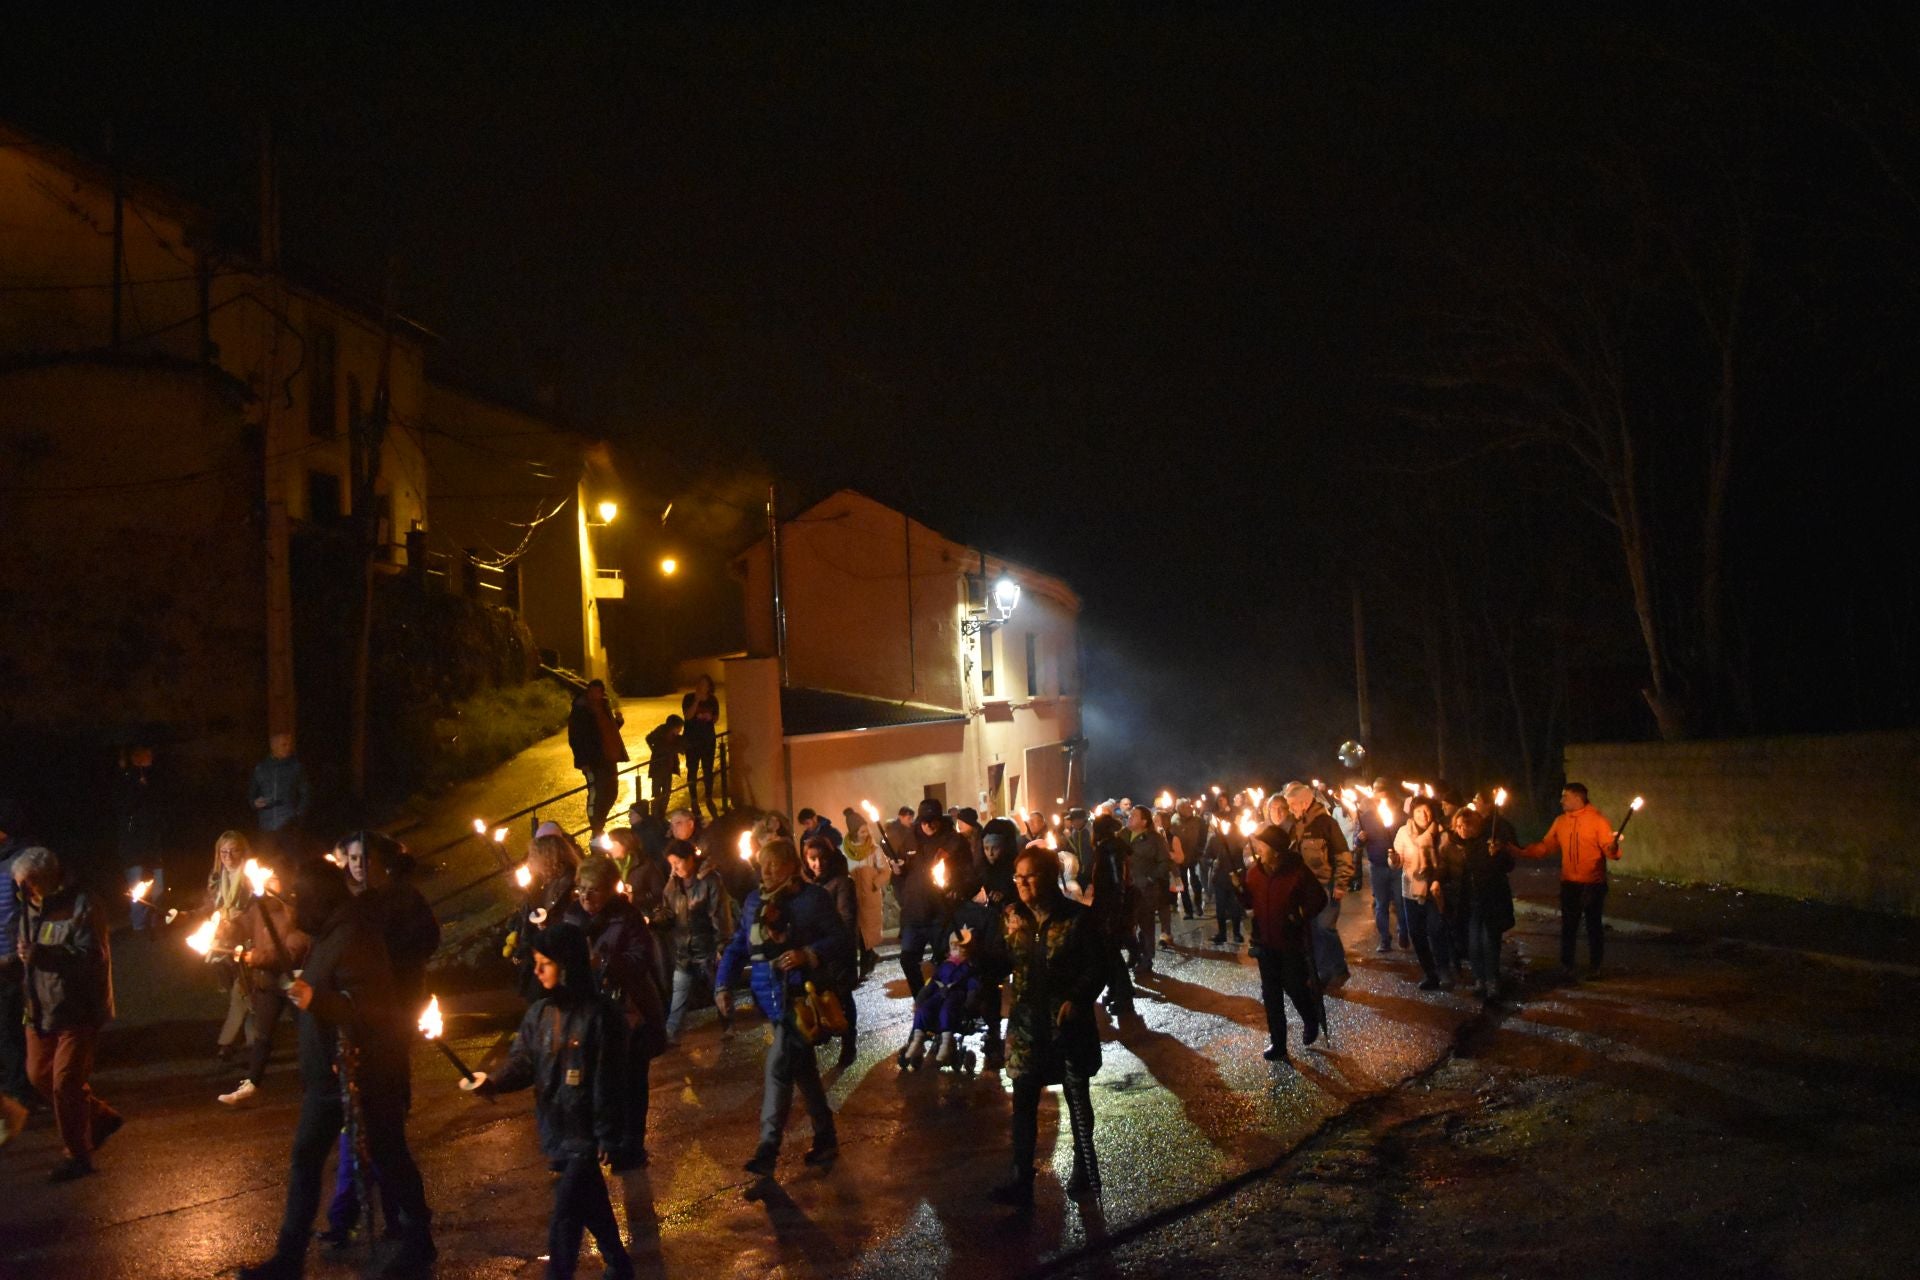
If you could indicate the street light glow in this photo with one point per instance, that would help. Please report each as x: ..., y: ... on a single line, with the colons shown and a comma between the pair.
x: 669, y: 566
x: 608, y: 510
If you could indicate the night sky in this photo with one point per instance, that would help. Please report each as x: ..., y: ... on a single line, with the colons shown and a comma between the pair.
x: 1136, y: 299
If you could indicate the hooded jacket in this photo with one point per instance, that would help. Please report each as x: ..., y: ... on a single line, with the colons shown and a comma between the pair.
x: 1283, y: 901
x: 1584, y: 839
x: 69, y: 979
x: 620, y: 945
x: 798, y: 915
x: 1318, y: 840
x: 569, y: 1050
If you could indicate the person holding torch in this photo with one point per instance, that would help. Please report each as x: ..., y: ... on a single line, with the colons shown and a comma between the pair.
x: 1585, y: 843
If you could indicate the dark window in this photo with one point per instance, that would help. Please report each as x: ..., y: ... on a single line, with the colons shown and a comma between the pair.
x: 935, y: 791
x: 325, y: 498
x: 987, y: 641
x: 1033, y: 665
x: 321, y: 406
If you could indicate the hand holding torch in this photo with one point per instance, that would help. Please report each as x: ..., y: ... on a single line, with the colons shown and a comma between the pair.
x: 431, y: 1027
x: 1639, y: 802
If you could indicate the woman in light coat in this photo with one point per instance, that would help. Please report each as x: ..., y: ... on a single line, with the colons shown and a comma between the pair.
x: 872, y: 872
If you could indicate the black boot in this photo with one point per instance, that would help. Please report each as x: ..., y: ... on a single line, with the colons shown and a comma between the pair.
x: 1086, y: 1163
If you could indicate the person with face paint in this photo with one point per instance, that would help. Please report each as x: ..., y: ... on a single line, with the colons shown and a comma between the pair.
x: 354, y: 1042
x: 569, y: 1050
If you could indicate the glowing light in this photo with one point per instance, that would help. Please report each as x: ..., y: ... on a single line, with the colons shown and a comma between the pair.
x: 524, y: 876
x: 1052, y: 841
x: 1216, y: 788
x: 479, y: 826
x: 624, y: 889
x: 603, y: 842
x: 1385, y: 810
x: 338, y: 859
x: 139, y: 891
x: 873, y: 814
x: 669, y: 566
x: 257, y: 876
x: 746, y: 846
x: 201, y: 939
x: 1413, y: 788
x: 1427, y: 790
x: 1500, y: 798
x: 499, y: 835
x: 1164, y: 800
x: 940, y: 874
x: 1638, y: 802
x: 607, y: 511
x: 430, y: 1024
x: 1056, y: 819
x: 1248, y: 825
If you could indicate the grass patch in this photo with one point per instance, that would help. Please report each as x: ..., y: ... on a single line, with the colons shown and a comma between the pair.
x: 491, y: 728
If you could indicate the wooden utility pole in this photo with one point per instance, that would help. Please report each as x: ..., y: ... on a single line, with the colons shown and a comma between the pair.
x: 366, y: 442
x: 1360, y: 671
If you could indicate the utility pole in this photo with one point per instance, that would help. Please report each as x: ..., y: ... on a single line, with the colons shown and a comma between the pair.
x: 366, y: 443
x: 779, y: 602
x: 280, y: 684
x: 1360, y: 670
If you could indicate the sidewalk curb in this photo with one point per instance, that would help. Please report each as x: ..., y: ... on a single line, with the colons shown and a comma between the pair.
x: 1631, y: 927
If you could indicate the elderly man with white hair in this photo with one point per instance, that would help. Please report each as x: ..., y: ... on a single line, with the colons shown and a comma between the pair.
x: 1323, y: 847
x: 60, y: 937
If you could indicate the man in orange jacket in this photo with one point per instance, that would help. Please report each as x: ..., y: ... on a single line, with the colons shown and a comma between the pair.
x: 1586, y: 842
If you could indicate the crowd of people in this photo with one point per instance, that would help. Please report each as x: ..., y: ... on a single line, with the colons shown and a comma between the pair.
x: 1012, y: 929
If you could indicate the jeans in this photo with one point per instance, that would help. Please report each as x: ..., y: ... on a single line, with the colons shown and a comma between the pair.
x: 687, y: 978
x: 1283, y: 977
x: 915, y: 941
x: 1432, y: 937
x: 1582, y: 902
x: 1227, y: 912
x: 580, y: 1205
x: 1388, y: 906
x: 269, y: 1003
x: 791, y: 1064
x: 60, y: 1065
x: 699, y: 762
x: 147, y: 913
x: 239, y: 1010
x: 321, y: 1118
x: 1483, y: 947
x: 1153, y: 904
x: 1193, y: 891
x: 1329, y: 955
x: 662, y: 793
x: 603, y: 784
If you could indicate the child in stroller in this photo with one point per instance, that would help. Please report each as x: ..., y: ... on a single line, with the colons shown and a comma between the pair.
x: 946, y: 1009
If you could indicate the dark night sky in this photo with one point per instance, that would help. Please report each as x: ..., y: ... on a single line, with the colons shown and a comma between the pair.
x: 1114, y: 296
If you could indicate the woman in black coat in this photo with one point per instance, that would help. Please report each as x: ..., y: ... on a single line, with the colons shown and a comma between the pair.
x: 1488, y: 909
x: 827, y: 867
x: 1059, y: 968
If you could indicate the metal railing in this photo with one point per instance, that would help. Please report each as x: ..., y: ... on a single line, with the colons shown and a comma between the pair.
x: 532, y: 813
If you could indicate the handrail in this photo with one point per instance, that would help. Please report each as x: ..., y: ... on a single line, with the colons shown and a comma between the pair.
x: 632, y: 766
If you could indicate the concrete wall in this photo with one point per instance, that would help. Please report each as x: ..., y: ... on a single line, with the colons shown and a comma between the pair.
x: 890, y: 767
x: 755, y: 747
x: 1811, y: 817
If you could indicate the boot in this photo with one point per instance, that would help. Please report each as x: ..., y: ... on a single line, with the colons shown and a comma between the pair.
x: 943, y: 1056
x: 288, y: 1262
x: 916, y: 1048
x: 1086, y: 1163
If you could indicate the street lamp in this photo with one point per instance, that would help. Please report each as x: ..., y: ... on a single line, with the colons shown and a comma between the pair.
x: 669, y: 566
x: 607, y: 511
x: 1004, y: 599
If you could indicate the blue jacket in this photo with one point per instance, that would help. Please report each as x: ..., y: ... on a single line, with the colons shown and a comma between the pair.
x: 806, y: 917
x: 571, y: 1054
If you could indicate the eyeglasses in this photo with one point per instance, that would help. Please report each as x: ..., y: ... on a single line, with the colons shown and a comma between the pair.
x: 1019, y: 879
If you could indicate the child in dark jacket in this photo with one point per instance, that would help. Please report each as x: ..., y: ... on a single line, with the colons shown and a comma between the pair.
x: 569, y: 1050
x: 941, y: 1007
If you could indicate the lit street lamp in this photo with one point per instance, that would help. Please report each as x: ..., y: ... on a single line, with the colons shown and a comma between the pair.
x: 669, y: 566
x: 607, y: 511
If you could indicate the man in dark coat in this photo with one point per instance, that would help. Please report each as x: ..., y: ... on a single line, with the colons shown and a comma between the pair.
x: 1283, y: 897
x: 926, y: 907
x: 354, y: 1042
x: 593, y: 731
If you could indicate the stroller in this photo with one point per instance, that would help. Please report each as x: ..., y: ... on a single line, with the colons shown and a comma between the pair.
x: 949, y: 1009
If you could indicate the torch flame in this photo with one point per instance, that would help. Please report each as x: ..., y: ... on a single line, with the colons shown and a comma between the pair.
x: 201, y: 939
x: 1056, y: 819
x: 1500, y: 798
x: 940, y: 874
x: 1052, y: 841
x: 1385, y: 810
x: 430, y: 1024
x: 257, y: 876
x: 499, y: 835
x: 603, y: 842
x: 624, y: 889
x: 1216, y: 788
x: 873, y: 814
x: 1247, y: 824
x: 1427, y: 790
x: 140, y: 891
x: 524, y: 876
x: 1224, y: 825
x: 1413, y: 788
x: 746, y: 846
x: 1638, y: 801
x: 1164, y: 800
x: 479, y: 826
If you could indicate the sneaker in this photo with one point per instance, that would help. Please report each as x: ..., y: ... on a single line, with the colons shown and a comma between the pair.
x: 105, y: 1127
x: 241, y: 1095
x: 13, y: 1118
x: 1217, y: 940
x: 765, y: 1160
x: 69, y: 1169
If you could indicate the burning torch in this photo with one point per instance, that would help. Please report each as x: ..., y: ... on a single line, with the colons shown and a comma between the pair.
x: 1639, y: 802
x: 431, y: 1027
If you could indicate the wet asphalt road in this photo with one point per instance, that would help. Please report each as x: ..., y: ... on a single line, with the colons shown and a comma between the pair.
x: 1184, y: 1103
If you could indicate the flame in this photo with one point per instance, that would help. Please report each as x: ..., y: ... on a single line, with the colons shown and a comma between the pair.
x: 1056, y: 819
x: 624, y: 889
x: 201, y: 939
x: 746, y: 846
x: 479, y: 826
x: 1258, y: 794
x: 1348, y: 796
x: 1638, y: 801
x: 257, y: 876
x: 139, y: 891
x: 1500, y: 798
x: 1224, y: 825
x: 430, y: 1024
x: 603, y: 842
x: 1247, y: 824
x: 940, y: 874
x: 338, y: 859
x: 1215, y: 788
x: 499, y: 835
x: 1413, y: 788
x: 1319, y: 785
x: 873, y: 814
x: 1385, y: 810
x: 1052, y: 841
x: 524, y: 876
x: 1427, y: 790
x: 1164, y: 800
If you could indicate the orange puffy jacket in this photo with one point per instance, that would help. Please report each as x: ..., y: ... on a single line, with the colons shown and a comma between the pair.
x: 1584, y: 840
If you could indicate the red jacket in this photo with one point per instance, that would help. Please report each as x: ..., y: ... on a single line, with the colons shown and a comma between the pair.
x: 1282, y: 903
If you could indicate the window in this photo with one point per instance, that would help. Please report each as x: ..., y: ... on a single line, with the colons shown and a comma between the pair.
x: 988, y: 642
x: 935, y: 791
x: 322, y: 410
x: 325, y: 498
x: 1033, y: 665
